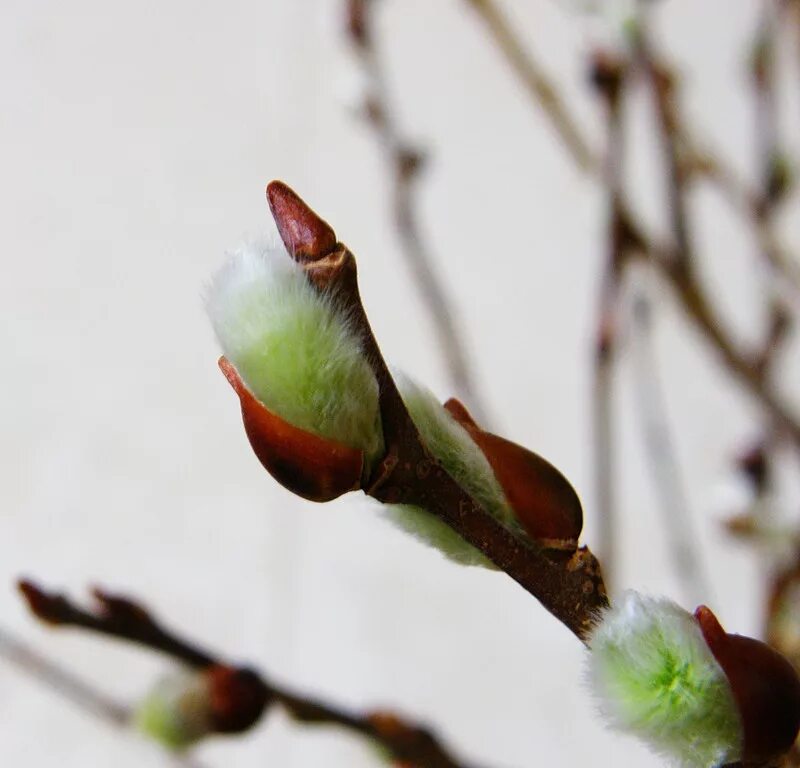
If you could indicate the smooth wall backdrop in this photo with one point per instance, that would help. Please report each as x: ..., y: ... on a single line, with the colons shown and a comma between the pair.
x: 135, y: 143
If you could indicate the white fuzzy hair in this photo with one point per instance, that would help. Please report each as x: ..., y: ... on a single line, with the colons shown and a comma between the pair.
x: 293, y: 346
x: 654, y: 676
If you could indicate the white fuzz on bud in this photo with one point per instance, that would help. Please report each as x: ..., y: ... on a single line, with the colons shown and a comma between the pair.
x: 655, y: 677
x: 294, y: 348
x: 451, y: 445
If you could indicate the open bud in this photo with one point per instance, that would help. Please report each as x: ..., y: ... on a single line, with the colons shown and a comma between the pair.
x: 542, y: 499
x: 765, y: 686
x: 451, y: 445
x: 656, y: 677
x: 309, y: 397
x: 188, y: 705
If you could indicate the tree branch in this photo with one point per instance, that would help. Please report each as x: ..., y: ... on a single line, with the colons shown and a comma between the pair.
x: 121, y: 618
x: 566, y: 581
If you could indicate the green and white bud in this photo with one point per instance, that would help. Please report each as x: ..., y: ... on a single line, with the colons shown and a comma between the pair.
x: 177, y: 711
x: 655, y: 677
x: 463, y: 460
x: 294, y: 348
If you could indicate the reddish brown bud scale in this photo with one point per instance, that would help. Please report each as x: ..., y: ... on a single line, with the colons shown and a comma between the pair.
x: 765, y: 687
x: 238, y: 698
x: 306, y: 236
x: 308, y: 465
x: 544, y: 502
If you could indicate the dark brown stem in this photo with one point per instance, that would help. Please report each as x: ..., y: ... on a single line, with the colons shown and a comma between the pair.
x: 124, y: 619
x: 404, y: 164
x: 115, y: 616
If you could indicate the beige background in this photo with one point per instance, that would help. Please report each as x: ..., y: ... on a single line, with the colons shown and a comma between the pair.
x: 135, y: 142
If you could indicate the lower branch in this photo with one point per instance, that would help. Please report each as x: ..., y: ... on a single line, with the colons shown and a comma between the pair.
x: 124, y: 619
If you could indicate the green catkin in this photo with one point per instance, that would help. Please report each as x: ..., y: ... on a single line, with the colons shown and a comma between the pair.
x: 655, y: 677
x: 294, y: 349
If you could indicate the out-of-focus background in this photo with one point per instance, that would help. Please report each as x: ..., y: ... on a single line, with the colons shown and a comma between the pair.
x: 135, y: 141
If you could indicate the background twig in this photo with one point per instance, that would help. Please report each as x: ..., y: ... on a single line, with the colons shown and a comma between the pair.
x: 124, y: 619
x: 404, y: 163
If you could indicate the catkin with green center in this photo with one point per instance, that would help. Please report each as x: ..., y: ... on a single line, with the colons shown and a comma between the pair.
x: 655, y: 677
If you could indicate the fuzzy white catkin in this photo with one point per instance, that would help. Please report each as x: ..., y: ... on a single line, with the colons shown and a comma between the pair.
x: 294, y: 348
x: 654, y: 676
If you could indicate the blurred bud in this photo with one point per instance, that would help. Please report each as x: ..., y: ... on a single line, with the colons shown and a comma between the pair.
x: 177, y: 711
x: 187, y: 705
x: 656, y: 678
x: 754, y: 465
x: 309, y: 397
x: 238, y: 698
x: 780, y: 178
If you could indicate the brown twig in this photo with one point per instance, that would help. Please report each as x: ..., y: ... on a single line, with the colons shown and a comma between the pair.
x: 537, y: 83
x: 404, y: 163
x: 124, y: 619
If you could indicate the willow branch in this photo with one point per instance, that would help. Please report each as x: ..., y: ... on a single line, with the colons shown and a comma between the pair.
x: 124, y: 619
x: 564, y: 578
x: 537, y: 83
x: 404, y: 164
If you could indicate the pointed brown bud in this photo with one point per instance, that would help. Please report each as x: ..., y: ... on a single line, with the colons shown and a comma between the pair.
x: 542, y: 499
x: 765, y: 687
x: 238, y: 698
x: 311, y: 466
x: 306, y: 236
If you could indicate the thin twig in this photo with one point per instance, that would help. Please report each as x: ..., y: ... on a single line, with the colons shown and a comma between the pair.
x: 609, y: 79
x: 65, y: 683
x: 537, y: 83
x: 662, y: 458
x: 687, y: 291
x: 73, y: 689
x: 404, y: 164
x: 121, y: 618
